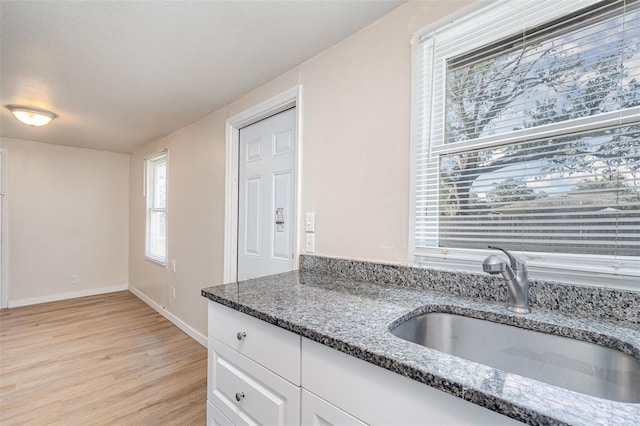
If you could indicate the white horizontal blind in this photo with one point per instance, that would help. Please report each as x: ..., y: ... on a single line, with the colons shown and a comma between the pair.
x: 571, y: 194
x: 156, y: 193
x: 528, y: 130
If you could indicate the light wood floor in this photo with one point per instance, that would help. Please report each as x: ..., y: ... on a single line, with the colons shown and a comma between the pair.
x: 99, y: 360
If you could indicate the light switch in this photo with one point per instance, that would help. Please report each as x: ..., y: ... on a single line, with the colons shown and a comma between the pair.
x: 311, y: 243
x: 310, y: 222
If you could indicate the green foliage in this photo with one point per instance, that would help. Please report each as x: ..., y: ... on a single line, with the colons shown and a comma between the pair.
x: 511, y: 190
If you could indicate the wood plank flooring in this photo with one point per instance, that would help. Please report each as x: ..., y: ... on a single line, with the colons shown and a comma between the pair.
x: 98, y: 360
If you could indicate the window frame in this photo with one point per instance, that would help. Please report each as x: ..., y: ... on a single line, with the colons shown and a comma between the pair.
x: 613, y: 271
x: 150, y: 163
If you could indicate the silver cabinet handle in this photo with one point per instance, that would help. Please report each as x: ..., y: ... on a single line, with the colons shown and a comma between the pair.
x: 241, y: 335
x: 239, y: 396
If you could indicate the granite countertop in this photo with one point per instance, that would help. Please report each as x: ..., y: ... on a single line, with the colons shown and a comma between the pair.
x: 353, y: 316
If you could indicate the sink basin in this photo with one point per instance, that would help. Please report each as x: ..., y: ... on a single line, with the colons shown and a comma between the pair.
x: 571, y: 364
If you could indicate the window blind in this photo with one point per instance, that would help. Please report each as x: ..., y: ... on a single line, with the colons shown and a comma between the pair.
x: 527, y: 128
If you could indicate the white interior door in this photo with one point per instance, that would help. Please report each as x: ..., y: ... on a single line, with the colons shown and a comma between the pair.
x: 266, y: 196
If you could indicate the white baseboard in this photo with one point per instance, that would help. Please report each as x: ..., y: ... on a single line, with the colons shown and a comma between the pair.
x: 191, y: 332
x: 65, y: 296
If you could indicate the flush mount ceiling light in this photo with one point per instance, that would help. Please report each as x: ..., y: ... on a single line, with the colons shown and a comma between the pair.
x: 32, y: 116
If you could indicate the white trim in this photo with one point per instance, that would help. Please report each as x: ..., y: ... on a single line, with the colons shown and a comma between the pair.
x: 278, y: 103
x: 144, y: 169
x: 156, y: 154
x: 603, y: 271
x: 450, y: 35
x: 450, y: 19
x: 150, y: 158
x: 64, y: 296
x: 164, y: 264
x: 413, y: 135
x: 552, y: 130
x: 230, y: 271
x: 190, y: 331
x: 4, y: 250
x: 475, y: 16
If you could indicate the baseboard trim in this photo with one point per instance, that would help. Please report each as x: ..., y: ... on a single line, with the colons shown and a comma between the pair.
x: 191, y: 332
x: 64, y: 296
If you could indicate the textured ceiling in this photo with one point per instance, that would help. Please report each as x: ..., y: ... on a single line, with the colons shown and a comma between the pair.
x: 123, y: 73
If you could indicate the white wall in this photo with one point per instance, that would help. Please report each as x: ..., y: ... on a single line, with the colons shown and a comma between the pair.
x: 195, y: 218
x: 355, y: 165
x: 356, y: 109
x: 68, y: 214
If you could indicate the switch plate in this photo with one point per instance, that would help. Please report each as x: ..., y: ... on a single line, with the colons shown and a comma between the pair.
x: 173, y: 265
x: 310, y: 222
x: 310, y: 245
x: 173, y: 292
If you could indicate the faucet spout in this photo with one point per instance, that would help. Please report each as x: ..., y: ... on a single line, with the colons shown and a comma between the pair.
x: 515, y: 276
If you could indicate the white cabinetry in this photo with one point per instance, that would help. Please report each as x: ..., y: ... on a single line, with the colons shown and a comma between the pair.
x: 380, y: 397
x: 270, y: 346
x: 215, y: 417
x: 254, y: 371
x: 318, y: 412
x: 262, y: 374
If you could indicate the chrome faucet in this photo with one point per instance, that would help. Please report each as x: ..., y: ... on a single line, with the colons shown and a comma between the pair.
x: 516, y: 277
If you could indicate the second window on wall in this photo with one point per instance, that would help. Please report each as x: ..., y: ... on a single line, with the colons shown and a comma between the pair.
x: 156, y: 199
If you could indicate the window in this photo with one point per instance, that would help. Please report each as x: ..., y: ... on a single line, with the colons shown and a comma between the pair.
x: 156, y: 195
x: 527, y: 136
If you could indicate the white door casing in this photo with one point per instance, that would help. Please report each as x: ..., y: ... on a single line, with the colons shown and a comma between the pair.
x: 266, y: 193
x: 267, y: 108
x: 4, y: 245
x: 2, y: 298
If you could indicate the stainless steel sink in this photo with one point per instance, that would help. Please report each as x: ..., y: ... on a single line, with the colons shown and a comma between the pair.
x: 571, y: 364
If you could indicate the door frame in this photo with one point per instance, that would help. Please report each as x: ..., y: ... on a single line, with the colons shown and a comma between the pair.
x: 283, y: 101
x: 4, y: 248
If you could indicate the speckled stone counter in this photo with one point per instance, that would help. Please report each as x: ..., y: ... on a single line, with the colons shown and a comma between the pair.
x: 353, y: 316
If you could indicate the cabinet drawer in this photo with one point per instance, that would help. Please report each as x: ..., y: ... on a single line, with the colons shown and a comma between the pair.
x: 318, y: 412
x: 247, y: 393
x: 268, y: 345
x: 215, y: 417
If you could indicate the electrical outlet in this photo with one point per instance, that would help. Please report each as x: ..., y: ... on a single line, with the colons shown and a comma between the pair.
x: 173, y: 292
x: 74, y: 279
x: 310, y: 243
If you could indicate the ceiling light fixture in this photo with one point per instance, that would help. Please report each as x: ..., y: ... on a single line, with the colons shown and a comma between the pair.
x: 32, y: 116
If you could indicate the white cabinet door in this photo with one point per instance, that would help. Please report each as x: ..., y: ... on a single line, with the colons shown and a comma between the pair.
x: 266, y: 196
x: 318, y: 412
x: 247, y: 393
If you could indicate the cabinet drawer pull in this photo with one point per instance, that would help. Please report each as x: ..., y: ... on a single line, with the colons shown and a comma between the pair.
x: 241, y: 335
x: 239, y: 396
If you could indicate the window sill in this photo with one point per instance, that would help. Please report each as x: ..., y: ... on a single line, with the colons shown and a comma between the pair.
x: 619, y: 273
x: 156, y: 261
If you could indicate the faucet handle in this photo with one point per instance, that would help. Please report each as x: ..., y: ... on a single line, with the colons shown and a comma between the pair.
x: 516, y: 263
x: 494, y: 264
